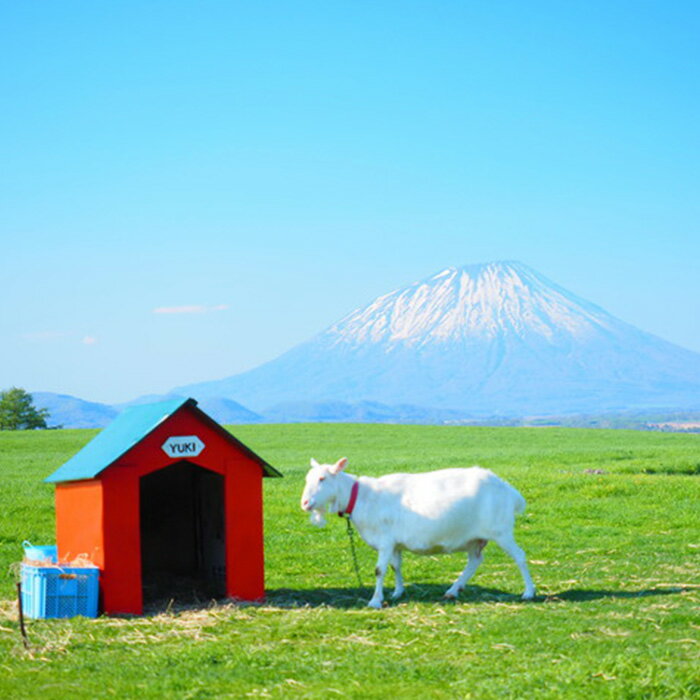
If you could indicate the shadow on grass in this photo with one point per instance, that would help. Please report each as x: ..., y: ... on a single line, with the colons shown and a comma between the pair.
x: 347, y: 598
x: 578, y: 595
x: 357, y: 598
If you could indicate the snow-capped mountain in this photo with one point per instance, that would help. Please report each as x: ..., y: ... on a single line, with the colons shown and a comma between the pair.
x: 484, y: 339
x: 478, y: 302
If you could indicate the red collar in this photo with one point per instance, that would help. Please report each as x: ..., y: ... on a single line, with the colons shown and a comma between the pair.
x: 352, y: 501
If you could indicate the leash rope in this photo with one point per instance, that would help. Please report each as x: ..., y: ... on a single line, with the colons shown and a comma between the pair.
x: 351, y: 536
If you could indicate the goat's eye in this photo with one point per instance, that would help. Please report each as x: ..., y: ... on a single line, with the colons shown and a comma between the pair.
x: 321, y: 478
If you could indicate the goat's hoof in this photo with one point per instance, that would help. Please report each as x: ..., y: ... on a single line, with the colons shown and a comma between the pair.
x: 452, y: 594
x: 376, y: 604
x: 529, y: 596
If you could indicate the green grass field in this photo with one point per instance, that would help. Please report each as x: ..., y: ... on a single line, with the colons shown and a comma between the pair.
x: 615, y: 556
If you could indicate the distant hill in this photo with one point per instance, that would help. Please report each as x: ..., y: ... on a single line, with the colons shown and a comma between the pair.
x: 224, y: 411
x: 484, y: 340
x: 227, y: 411
x: 360, y: 412
x: 70, y: 412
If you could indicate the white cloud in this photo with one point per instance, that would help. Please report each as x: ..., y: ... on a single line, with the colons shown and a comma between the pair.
x: 191, y: 309
x: 89, y: 340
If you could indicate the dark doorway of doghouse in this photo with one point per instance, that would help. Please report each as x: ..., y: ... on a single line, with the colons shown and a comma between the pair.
x: 183, y: 548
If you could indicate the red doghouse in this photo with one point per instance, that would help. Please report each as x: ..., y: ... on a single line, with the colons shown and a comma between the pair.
x: 162, y: 500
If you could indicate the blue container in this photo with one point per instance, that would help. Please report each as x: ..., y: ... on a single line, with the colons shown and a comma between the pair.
x: 47, y: 553
x: 65, y: 591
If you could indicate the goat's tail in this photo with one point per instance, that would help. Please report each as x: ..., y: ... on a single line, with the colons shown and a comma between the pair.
x: 519, y: 502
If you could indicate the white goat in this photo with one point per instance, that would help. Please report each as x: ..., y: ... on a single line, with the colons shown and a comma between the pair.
x: 451, y: 510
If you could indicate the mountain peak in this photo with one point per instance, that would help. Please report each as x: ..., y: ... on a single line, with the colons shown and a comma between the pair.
x: 498, y: 267
x: 464, y: 304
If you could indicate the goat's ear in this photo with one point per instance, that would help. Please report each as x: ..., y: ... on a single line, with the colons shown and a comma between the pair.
x: 314, y: 463
x: 339, y: 465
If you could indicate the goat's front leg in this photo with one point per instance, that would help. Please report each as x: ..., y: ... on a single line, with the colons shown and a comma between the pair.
x: 385, y: 556
x: 396, y: 565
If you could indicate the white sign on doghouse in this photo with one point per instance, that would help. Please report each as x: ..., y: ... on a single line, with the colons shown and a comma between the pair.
x: 183, y: 446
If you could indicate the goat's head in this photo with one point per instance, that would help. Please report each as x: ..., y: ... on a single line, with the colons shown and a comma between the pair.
x: 321, y: 489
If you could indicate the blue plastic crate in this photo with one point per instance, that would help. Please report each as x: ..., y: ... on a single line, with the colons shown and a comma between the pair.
x: 47, y: 553
x: 60, y: 591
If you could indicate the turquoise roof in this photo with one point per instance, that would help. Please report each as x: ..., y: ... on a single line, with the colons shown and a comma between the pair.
x: 128, y: 429
x: 125, y: 431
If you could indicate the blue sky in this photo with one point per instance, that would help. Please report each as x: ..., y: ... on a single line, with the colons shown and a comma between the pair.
x: 189, y: 189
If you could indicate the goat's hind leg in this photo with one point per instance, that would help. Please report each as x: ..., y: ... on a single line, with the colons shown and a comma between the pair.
x: 508, y: 544
x: 475, y: 551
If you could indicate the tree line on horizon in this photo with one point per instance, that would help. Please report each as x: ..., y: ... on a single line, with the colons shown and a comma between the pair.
x: 17, y: 411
